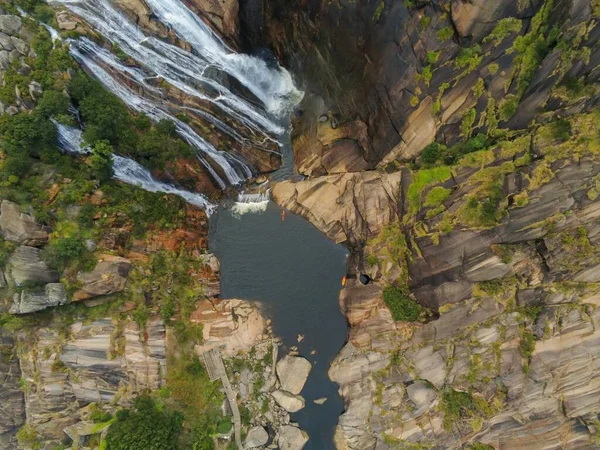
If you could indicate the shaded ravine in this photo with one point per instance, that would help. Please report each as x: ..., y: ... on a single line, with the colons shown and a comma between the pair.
x: 295, y: 273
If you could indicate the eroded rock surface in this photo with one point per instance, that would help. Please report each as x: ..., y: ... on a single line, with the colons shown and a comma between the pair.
x: 12, y: 402
x: 234, y: 324
x: 348, y: 208
x: 103, y: 361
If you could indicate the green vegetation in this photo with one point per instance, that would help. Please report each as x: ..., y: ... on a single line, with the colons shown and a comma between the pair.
x: 437, y: 196
x: 458, y: 406
x: 378, y: 11
x: 503, y: 29
x: 402, y: 306
x: 147, y: 425
x: 433, y: 57
x: 421, y: 180
x: 445, y: 34
x: 533, y: 47
x: 27, y: 437
x: 468, y: 58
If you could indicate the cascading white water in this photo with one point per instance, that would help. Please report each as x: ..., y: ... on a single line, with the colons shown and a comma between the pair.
x: 251, y: 203
x: 189, y: 71
x: 70, y: 139
x: 127, y: 170
x: 234, y: 170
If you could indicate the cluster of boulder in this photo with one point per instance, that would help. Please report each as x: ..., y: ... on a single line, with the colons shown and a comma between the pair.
x: 36, y: 286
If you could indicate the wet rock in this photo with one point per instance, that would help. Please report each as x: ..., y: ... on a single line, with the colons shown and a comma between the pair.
x: 222, y: 14
x: 293, y: 372
x: 32, y: 300
x: 26, y: 267
x: 10, y: 24
x: 320, y: 401
x: 108, y: 277
x: 20, y: 227
x: 257, y: 437
x: 291, y: 438
x: 288, y: 401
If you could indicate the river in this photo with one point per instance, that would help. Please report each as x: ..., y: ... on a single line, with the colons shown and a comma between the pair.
x: 295, y: 273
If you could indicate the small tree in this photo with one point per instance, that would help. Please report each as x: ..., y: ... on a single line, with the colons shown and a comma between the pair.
x: 102, y: 161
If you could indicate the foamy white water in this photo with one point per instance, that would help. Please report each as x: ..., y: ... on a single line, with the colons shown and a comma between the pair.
x: 251, y: 204
x: 127, y: 170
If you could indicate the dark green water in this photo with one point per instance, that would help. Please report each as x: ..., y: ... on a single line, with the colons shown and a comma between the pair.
x: 295, y: 272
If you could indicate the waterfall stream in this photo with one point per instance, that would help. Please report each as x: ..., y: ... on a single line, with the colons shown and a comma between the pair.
x: 127, y: 170
x: 200, y: 73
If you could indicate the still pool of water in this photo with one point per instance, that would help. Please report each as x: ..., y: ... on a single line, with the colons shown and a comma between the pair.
x: 295, y: 272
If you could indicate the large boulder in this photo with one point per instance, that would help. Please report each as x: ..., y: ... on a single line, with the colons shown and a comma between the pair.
x: 291, y: 438
x: 21, y: 228
x: 293, y: 372
x: 108, y: 277
x: 290, y: 402
x: 26, y: 267
x: 10, y: 24
x: 32, y: 300
x: 257, y: 437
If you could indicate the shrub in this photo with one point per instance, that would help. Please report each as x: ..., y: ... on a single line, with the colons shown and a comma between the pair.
x: 27, y: 133
x: 468, y: 57
x: 401, y: 305
x: 432, y: 57
x: 145, y: 426
x: 102, y: 161
x: 61, y: 251
x: 503, y: 29
x: 53, y: 103
x: 432, y: 153
x: 508, y: 107
x: 445, y: 33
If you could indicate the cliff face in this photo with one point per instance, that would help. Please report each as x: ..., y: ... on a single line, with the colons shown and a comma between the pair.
x: 493, y: 230
x: 412, y: 72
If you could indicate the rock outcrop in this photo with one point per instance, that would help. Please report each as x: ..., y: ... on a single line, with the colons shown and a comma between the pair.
x: 348, y: 208
x: 21, y: 228
x: 288, y: 401
x: 234, y: 325
x: 103, y: 361
x: 257, y: 437
x: 108, y: 277
x: 32, y: 299
x: 25, y: 267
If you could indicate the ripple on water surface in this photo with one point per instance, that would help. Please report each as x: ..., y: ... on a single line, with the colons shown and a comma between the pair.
x: 295, y: 272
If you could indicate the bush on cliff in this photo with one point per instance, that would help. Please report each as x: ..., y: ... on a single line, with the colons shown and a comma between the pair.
x: 402, y: 306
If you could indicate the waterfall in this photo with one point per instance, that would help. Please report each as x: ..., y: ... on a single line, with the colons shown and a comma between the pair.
x: 127, y: 170
x: 189, y: 71
x: 70, y: 139
x: 130, y: 172
x: 234, y: 170
x: 197, y: 73
x: 251, y: 203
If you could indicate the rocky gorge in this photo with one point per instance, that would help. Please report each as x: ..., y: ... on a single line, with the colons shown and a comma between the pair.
x: 451, y: 146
